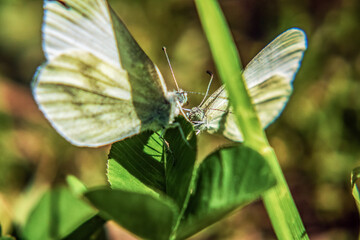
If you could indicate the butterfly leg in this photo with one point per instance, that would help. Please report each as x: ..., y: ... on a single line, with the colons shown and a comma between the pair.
x: 177, y: 125
x: 164, y: 140
x: 182, y: 111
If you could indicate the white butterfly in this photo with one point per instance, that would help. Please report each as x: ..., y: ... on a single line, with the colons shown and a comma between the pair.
x: 97, y: 85
x: 269, y: 78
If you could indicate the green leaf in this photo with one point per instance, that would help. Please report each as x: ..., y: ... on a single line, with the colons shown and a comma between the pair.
x: 155, y: 166
x: 144, y: 164
x: 355, y: 182
x: 135, y: 164
x: 57, y: 214
x: 226, y: 180
x: 180, y: 161
x: 144, y: 215
x: 5, y: 237
x: 76, y: 186
x: 92, y: 229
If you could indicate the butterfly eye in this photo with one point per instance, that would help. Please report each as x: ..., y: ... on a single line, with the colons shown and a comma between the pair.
x: 182, y: 97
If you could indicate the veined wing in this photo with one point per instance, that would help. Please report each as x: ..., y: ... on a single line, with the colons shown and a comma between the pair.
x: 270, y: 74
x: 79, y: 24
x: 92, y: 26
x: 89, y: 102
x: 281, y: 57
x: 269, y: 79
x: 101, y: 55
x: 271, y: 97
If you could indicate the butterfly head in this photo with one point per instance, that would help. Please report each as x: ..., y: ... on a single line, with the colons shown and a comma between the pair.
x: 181, y: 97
x: 196, y: 115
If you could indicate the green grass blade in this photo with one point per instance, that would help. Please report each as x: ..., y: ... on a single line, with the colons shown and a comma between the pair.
x: 278, y: 201
x: 229, y: 67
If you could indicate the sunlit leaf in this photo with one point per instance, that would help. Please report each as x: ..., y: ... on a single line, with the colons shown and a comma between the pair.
x: 131, y: 167
x: 355, y: 176
x: 149, y: 163
x: 226, y: 180
x: 144, y: 215
x: 92, y: 229
x: 58, y: 213
x: 76, y: 186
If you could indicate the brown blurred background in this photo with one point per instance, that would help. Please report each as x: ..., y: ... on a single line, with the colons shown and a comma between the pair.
x: 317, y: 138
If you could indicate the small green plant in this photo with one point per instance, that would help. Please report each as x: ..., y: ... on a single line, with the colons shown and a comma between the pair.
x: 157, y: 190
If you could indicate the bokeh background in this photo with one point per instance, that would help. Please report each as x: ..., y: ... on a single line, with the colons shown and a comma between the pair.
x: 317, y: 138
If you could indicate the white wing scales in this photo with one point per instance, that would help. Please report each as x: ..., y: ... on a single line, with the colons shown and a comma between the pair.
x: 270, y: 98
x: 98, y: 86
x: 83, y: 25
x: 269, y: 79
x: 281, y: 57
x: 86, y: 100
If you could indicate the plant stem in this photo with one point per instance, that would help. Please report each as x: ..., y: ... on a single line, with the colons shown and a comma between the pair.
x: 278, y: 201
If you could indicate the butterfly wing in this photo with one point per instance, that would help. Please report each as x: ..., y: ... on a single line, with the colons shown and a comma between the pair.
x: 85, y: 101
x: 83, y: 25
x: 270, y: 74
x: 269, y: 79
x: 89, y: 35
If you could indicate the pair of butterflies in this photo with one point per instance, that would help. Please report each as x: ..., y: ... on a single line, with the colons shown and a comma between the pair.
x: 98, y: 86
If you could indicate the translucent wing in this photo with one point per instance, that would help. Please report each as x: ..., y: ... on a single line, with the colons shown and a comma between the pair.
x: 92, y: 26
x: 281, y: 57
x: 270, y: 98
x: 269, y: 79
x: 79, y: 24
x: 98, y: 86
x: 89, y: 102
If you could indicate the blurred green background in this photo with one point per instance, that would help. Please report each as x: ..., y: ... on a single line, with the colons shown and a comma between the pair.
x: 317, y: 138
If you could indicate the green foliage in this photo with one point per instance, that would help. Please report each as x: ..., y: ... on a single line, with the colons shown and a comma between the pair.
x: 279, y: 203
x: 158, y: 194
x: 316, y: 138
x: 226, y: 180
x: 76, y: 186
x: 355, y: 184
x: 91, y: 229
x: 355, y: 176
x: 157, y: 190
x: 135, y: 163
x: 5, y: 237
x: 144, y: 215
x: 58, y: 213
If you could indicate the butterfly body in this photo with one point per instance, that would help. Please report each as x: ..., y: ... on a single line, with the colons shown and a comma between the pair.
x: 97, y: 85
x: 268, y: 78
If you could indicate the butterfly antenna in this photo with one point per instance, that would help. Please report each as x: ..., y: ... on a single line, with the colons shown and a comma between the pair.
x: 171, y: 69
x: 177, y: 86
x: 220, y: 110
x: 199, y: 93
x: 208, y: 88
